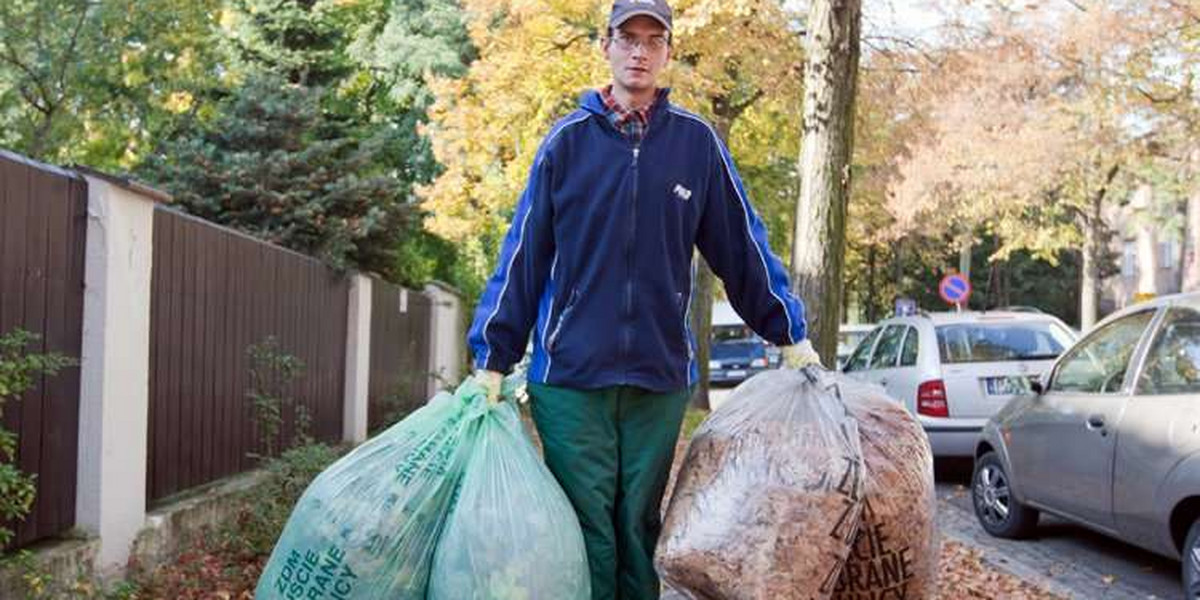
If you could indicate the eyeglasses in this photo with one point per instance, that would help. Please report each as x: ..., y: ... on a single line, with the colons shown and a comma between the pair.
x: 653, y: 43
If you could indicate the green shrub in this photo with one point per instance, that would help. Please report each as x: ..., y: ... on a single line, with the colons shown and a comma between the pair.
x: 18, y: 370
x: 271, y: 371
x: 398, y: 402
x: 269, y: 504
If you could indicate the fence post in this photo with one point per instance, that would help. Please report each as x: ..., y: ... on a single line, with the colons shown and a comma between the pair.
x: 445, y: 337
x: 358, y: 360
x: 115, y: 369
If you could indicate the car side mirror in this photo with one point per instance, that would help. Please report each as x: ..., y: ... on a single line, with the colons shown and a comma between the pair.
x: 1036, y: 387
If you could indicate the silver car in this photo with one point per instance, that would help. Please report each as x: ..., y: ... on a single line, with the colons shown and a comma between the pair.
x: 1110, y: 439
x: 955, y: 370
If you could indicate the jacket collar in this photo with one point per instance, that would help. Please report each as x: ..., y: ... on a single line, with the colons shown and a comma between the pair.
x: 592, y: 102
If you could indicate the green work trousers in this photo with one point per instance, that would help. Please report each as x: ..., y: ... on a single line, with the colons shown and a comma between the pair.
x: 611, y: 450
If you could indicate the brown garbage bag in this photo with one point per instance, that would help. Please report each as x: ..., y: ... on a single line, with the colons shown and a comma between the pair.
x: 895, y: 555
x: 769, y: 494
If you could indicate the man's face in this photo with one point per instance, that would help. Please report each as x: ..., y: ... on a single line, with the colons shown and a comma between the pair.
x: 637, y: 53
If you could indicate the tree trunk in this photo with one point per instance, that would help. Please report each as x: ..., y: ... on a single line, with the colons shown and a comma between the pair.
x: 1190, y: 280
x: 991, y: 295
x: 1006, y: 283
x: 872, y: 300
x: 1190, y: 264
x: 1093, y: 238
x: 830, y: 82
x: 1089, y: 280
x: 964, y: 256
x: 1147, y: 249
x: 702, y: 300
x: 37, y: 146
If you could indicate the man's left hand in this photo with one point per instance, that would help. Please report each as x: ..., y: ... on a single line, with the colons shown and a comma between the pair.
x: 799, y: 356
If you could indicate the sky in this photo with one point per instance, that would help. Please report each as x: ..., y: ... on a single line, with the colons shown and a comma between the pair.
x: 898, y: 18
x: 909, y: 18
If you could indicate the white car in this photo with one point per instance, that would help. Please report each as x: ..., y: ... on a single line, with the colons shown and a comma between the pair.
x: 850, y: 335
x: 955, y: 370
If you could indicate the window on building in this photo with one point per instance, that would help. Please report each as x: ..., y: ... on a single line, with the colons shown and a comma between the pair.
x: 1168, y: 254
x: 1129, y: 259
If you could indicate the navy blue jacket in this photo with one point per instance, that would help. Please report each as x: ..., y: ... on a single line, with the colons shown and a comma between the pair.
x: 598, y: 259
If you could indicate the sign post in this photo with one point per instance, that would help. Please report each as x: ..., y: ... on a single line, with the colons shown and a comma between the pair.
x: 955, y: 290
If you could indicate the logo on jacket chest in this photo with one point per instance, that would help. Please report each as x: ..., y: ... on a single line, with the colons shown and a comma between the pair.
x: 681, y: 192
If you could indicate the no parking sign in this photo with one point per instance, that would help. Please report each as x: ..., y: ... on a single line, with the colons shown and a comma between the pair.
x: 955, y: 289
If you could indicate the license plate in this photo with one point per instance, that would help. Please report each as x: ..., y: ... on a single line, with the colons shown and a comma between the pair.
x: 1005, y: 386
x: 735, y: 374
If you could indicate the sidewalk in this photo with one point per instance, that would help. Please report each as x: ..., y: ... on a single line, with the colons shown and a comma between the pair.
x: 1065, y: 559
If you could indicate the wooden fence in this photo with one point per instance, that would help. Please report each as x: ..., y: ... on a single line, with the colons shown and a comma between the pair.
x: 214, y: 293
x: 43, y: 226
x: 401, y: 329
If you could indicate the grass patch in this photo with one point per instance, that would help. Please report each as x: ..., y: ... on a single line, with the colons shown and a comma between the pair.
x: 692, y: 420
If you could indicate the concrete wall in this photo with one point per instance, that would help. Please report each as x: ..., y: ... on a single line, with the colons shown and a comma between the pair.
x: 448, y: 355
x: 114, y: 370
x: 358, y: 359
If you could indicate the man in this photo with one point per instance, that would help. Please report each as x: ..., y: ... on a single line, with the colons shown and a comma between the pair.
x: 598, y: 263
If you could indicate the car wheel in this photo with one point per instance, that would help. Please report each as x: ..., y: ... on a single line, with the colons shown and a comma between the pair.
x: 997, y: 510
x: 1190, y: 557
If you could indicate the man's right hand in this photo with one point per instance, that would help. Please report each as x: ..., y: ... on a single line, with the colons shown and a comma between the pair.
x: 491, y: 382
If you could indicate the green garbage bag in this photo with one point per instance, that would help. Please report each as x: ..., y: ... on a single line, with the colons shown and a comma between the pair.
x: 369, y: 526
x: 513, y: 534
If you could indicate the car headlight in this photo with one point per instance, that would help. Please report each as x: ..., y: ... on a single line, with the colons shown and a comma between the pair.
x: 713, y: 364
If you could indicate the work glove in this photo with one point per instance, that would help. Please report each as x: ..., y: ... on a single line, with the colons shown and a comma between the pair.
x: 491, y: 382
x: 799, y: 356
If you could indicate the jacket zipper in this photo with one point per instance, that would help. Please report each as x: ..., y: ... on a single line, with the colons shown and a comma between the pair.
x: 627, y: 328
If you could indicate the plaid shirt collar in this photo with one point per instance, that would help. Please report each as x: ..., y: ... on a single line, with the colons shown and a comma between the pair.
x: 632, y: 123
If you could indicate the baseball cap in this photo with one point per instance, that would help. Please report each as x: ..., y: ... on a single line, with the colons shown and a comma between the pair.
x: 623, y: 10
